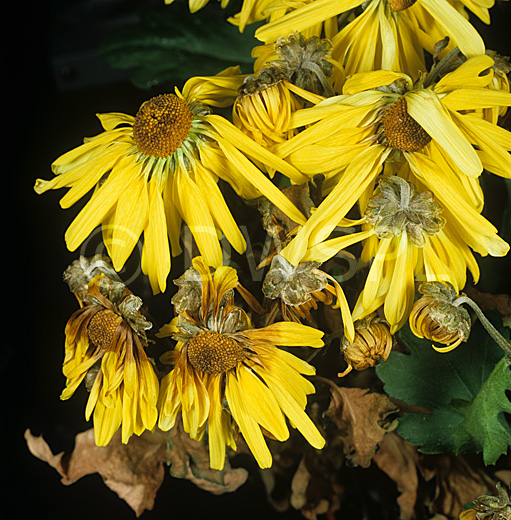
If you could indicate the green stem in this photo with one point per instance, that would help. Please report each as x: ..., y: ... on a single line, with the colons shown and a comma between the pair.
x: 492, y: 331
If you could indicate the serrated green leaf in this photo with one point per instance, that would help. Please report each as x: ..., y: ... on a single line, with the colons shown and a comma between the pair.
x: 482, y: 428
x: 170, y: 45
x: 465, y: 390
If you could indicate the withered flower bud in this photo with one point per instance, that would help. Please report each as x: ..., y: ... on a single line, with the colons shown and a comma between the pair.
x: 371, y: 345
x: 436, y: 316
x: 488, y: 507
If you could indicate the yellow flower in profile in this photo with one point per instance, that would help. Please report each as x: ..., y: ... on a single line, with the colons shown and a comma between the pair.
x: 104, y: 347
x: 153, y: 171
x: 387, y: 34
x: 264, y: 107
x: 370, y: 345
x: 230, y: 377
x: 425, y: 134
x: 438, y: 316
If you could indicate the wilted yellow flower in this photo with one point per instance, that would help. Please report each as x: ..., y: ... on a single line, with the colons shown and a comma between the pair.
x: 153, y: 171
x: 371, y: 344
x: 264, y: 107
x: 230, y: 377
x: 436, y: 316
x: 424, y: 134
x: 105, y: 342
x: 407, y: 236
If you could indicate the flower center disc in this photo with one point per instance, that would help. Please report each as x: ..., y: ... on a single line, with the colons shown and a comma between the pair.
x: 400, y: 5
x: 161, y: 125
x: 101, y: 328
x: 401, y: 130
x: 213, y: 353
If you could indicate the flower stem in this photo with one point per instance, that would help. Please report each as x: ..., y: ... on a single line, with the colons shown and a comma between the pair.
x: 504, y: 344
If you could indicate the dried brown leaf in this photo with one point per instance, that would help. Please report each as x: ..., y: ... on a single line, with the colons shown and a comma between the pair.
x: 457, y: 481
x: 398, y: 460
x: 362, y: 418
x: 189, y: 459
x: 134, y: 471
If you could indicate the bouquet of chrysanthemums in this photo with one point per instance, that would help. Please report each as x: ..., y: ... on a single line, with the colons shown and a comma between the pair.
x: 318, y: 223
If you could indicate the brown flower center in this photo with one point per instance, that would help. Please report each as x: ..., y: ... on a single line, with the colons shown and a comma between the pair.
x: 213, y: 353
x: 401, y: 130
x: 101, y: 328
x: 161, y: 125
x: 400, y: 5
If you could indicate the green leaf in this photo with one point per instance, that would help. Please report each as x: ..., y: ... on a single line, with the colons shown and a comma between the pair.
x: 465, y: 391
x: 168, y: 45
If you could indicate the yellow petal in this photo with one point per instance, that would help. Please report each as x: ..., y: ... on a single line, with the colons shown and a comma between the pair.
x: 399, y: 299
x: 248, y: 426
x: 373, y: 79
x: 261, y: 403
x: 425, y: 107
x: 454, y: 25
x: 100, y: 203
x: 197, y: 216
x: 286, y: 333
x: 219, y: 210
x: 156, y: 250
x: 304, y: 17
x: 128, y: 221
x: 467, y: 75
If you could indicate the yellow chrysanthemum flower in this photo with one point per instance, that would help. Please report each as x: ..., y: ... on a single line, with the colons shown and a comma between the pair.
x: 385, y: 34
x: 409, y: 236
x: 105, y: 342
x: 153, y: 171
x: 264, y: 107
x: 229, y: 376
x: 427, y: 132
x: 437, y: 316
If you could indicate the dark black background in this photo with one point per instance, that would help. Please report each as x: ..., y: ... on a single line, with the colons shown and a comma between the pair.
x: 54, y: 84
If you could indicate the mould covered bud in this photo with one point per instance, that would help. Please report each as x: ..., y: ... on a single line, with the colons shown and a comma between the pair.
x: 400, y: 209
x: 293, y: 284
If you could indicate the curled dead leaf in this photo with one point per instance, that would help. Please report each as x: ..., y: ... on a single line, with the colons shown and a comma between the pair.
x: 362, y: 418
x: 398, y: 460
x: 458, y: 480
x: 134, y: 471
